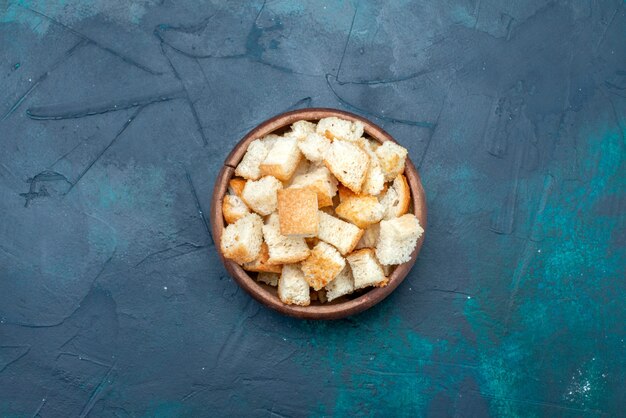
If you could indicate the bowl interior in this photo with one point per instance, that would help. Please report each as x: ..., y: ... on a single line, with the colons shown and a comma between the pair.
x: 267, y: 295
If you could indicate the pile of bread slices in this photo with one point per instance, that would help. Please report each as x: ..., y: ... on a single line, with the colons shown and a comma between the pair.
x: 320, y: 211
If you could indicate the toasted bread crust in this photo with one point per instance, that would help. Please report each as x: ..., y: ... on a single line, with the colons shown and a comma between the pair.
x: 404, y: 194
x: 230, y: 209
x: 262, y: 264
x: 236, y: 184
x: 297, y: 212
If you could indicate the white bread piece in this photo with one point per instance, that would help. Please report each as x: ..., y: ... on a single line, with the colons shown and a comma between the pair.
x: 361, y: 210
x: 249, y: 166
x: 236, y: 185
x: 397, y: 239
x: 281, y: 161
x: 392, y: 158
x: 322, y: 266
x: 260, y: 195
x: 270, y: 140
x: 303, y: 167
x: 397, y: 199
x: 301, y: 129
x: 341, y: 234
x: 366, y: 270
x: 349, y: 163
x: 283, y: 249
x: 293, y: 289
x: 314, y: 147
x: 335, y: 128
x: 268, y: 278
x: 320, y: 181
x: 241, y: 241
x: 369, y: 238
x: 297, y: 212
x: 342, y: 285
x: 374, y: 178
x: 261, y: 263
x: 233, y: 208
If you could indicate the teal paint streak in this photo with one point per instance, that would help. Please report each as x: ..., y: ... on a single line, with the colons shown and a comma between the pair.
x: 544, y: 350
x: 71, y: 11
x: 378, y: 367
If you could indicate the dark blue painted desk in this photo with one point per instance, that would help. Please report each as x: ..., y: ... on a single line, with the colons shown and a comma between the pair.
x: 115, y: 117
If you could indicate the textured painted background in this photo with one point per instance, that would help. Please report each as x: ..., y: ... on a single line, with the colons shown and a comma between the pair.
x: 115, y: 117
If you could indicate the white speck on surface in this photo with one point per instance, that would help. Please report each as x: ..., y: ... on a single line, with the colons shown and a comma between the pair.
x: 30, y: 79
x: 164, y: 287
x: 469, y: 297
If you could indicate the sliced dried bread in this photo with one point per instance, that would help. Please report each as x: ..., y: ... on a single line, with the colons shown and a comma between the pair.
x: 366, y: 269
x: 323, y: 265
x: 397, y: 239
x: 241, y: 241
x: 283, y: 249
x: 293, y: 289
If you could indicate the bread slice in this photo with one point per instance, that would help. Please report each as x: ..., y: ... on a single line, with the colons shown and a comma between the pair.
x: 281, y: 161
x: 236, y: 185
x: 303, y: 167
x: 270, y: 140
x: 283, y: 249
x: 345, y: 193
x: 249, y: 166
x: 374, y: 178
x: 261, y: 263
x: 293, y: 289
x: 321, y: 182
x: 366, y: 270
x: 233, y: 208
x: 335, y: 128
x: 397, y: 239
x: 342, y: 285
x: 392, y: 158
x: 268, y: 278
x: 369, y: 238
x: 349, y: 163
x: 260, y: 195
x: 362, y: 211
x: 301, y: 129
x: 397, y: 199
x: 314, y: 147
x: 297, y: 212
x: 322, y: 266
x: 241, y: 241
x: 341, y: 234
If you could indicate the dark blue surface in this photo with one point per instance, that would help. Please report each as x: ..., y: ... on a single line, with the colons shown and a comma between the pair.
x: 115, y: 118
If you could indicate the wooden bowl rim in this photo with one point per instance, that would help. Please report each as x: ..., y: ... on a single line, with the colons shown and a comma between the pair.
x: 256, y: 290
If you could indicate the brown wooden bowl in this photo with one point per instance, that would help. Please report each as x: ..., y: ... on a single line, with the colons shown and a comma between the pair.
x: 267, y: 295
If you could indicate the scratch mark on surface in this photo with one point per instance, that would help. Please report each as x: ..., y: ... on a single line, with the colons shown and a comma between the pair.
x: 178, y: 250
x: 43, y: 177
x: 198, y: 206
x: 82, y: 358
x: 61, y: 112
x: 345, y: 47
x: 420, y: 124
x: 38, y: 410
x: 81, y: 35
x: 533, y: 402
x: 306, y: 102
x: 119, y: 133
x: 27, y: 347
x: 78, y: 306
x: 431, y: 134
x: 192, y: 107
x: 504, y: 219
x: 606, y: 29
x: 196, y: 389
x: 95, y: 395
x: 529, y: 248
x: 42, y: 77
